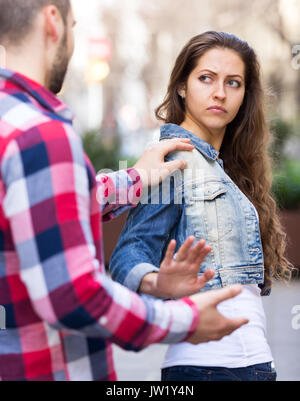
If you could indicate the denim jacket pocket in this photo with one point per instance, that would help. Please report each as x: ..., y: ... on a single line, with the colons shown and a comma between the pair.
x: 209, y: 192
x: 208, y: 211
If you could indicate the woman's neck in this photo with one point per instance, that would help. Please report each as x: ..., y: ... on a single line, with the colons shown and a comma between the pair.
x: 213, y: 137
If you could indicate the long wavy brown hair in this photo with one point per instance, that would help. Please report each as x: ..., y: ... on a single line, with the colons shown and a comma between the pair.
x: 245, y: 148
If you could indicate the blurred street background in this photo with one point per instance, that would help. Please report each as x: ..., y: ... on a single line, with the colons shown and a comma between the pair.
x: 119, y: 75
x: 124, y: 55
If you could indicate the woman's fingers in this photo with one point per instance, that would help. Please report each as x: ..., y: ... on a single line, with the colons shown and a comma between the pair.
x: 202, y: 255
x: 197, y: 252
x: 205, y: 277
x: 170, y: 252
x: 192, y: 255
x: 185, y: 249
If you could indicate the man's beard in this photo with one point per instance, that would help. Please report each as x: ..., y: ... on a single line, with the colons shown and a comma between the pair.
x: 59, y: 68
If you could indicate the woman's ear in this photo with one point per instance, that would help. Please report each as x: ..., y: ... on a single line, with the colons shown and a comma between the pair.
x: 181, y: 92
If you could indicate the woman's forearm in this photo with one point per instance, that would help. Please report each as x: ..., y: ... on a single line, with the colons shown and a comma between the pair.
x: 149, y: 286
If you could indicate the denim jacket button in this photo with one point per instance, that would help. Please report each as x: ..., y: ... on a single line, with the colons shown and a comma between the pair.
x: 254, y: 275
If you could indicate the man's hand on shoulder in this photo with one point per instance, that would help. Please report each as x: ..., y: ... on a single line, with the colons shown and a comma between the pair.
x: 151, y: 166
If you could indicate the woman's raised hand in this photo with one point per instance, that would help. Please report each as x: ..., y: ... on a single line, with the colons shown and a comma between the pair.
x: 178, y: 275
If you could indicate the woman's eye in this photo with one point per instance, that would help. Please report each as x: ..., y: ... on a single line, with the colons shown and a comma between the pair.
x: 234, y: 83
x: 205, y: 78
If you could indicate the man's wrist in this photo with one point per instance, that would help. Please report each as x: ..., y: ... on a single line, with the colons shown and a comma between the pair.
x: 136, y: 190
x: 196, y: 317
x: 143, y: 176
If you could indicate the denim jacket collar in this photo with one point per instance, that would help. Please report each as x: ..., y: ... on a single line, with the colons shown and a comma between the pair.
x: 175, y: 131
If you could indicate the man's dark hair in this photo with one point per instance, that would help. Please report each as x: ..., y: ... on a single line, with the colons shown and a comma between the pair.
x: 17, y: 17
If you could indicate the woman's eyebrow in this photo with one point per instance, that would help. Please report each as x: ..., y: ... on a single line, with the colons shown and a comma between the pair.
x: 215, y: 73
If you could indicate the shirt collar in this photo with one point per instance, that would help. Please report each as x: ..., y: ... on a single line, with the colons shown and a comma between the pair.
x: 44, y: 96
x: 175, y: 131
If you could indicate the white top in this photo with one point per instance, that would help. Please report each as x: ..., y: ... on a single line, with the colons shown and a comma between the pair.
x: 244, y: 347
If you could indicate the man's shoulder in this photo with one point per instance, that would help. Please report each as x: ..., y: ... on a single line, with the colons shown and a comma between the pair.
x: 17, y: 108
x: 23, y: 120
x: 20, y: 111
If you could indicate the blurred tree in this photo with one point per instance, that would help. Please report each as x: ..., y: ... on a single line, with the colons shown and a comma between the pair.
x: 282, y: 131
x: 286, y: 184
x: 104, y: 154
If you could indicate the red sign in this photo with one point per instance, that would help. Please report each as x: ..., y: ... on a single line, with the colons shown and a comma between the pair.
x: 100, y: 48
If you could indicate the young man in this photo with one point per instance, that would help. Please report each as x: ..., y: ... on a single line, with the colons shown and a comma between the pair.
x: 62, y: 312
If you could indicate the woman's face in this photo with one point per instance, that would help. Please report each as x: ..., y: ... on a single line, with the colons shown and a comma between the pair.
x: 215, y: 89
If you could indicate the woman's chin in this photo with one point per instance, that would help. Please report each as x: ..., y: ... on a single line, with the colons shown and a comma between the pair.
x: 216, y: 127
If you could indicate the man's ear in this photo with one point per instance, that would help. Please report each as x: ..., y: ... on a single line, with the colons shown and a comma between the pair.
x: 54, y: 25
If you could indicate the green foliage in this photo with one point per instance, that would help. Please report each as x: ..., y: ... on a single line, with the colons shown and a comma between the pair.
x: 104, y: 154
x: 282, y: 131
x: 286, y: 184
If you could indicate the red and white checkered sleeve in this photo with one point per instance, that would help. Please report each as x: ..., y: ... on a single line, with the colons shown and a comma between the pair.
x: 118, y: 191
x: 47, y: 204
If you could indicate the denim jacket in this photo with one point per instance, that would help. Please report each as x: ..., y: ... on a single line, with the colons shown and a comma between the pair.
x: 201, y: 201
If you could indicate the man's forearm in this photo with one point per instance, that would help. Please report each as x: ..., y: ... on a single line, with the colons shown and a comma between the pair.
x: 118, y: 191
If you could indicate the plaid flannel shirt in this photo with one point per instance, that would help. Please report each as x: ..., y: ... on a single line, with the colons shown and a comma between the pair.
x: 62, y: 311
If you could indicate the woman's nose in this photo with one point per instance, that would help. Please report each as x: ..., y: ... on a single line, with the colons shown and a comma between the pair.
x: 219, y: 91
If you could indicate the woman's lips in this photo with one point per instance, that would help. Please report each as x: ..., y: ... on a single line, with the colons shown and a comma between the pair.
x: 217, y: 110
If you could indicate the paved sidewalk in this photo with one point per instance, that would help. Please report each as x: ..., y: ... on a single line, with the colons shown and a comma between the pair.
x: 284, y: 341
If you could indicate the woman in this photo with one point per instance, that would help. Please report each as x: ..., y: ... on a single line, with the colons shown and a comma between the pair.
x: 215, y: 98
